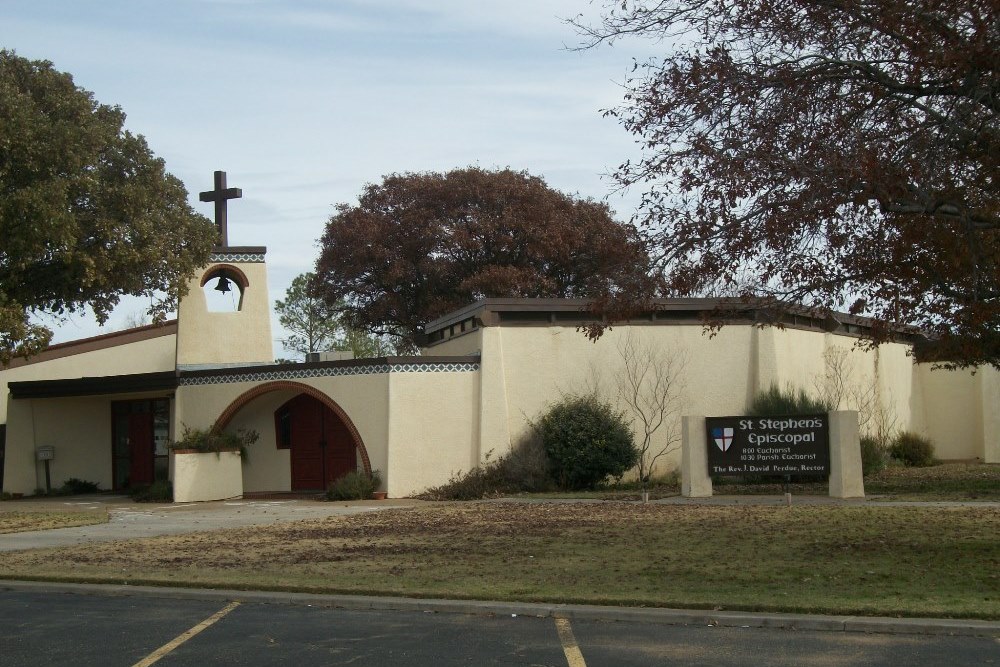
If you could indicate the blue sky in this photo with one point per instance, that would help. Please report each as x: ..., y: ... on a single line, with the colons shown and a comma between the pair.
x: 303, y: 102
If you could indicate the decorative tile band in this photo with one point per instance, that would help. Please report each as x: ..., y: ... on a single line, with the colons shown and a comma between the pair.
x: 236, y: 257
x: 328, y: 371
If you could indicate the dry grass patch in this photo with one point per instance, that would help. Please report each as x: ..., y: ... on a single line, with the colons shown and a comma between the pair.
x: 19, y: 522
x: 846, y: 560
x: 947, y: 481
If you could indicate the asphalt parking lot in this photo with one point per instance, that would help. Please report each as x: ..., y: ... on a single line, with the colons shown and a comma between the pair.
x: 46, y: 628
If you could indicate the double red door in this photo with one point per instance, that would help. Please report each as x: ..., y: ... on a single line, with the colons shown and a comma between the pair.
x: 322, y: 448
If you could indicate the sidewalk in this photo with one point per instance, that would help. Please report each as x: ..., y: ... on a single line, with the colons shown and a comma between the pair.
x: 130, y: 520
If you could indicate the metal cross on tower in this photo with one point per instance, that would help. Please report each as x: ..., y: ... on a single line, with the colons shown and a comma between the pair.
x: 220, y: 195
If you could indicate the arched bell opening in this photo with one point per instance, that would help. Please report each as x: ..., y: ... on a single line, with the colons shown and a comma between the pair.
x: 224, y: 286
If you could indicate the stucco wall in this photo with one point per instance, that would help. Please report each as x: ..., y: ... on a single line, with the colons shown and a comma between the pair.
x: 952, y: 409
x: 543, y: 364
x: 78, y: 428
x: 989, y: 401
x: 879, y: 383
x: 198, y: 477
x: 267, y: 468
x: 146, y: 356
x: 226, y: 337
x: 463, y: 345
x: 364, y: 398
x: 432, y: 429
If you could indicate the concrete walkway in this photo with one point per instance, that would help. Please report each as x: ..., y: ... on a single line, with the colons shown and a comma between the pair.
x: 130, y: 520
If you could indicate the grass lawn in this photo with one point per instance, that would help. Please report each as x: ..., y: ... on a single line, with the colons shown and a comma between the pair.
x: 17, y: 522
x: 948, y: 481
x: 965, y: 482
x: 831, y: 559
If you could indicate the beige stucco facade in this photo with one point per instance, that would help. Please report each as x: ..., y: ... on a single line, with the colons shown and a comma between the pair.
x: 528, y: 363
x: 237, y: 337
x: 484, y: 375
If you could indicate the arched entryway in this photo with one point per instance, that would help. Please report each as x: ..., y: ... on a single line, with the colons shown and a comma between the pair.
x: 302, y: 424
x: 321, y: 448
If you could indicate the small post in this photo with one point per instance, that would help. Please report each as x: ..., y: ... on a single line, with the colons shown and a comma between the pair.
x: 695, y: 482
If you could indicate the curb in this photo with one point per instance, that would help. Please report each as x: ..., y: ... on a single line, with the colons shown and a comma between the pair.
x: 866, y: 624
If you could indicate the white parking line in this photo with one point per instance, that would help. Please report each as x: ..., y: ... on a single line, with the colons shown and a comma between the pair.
x: 183, y: 637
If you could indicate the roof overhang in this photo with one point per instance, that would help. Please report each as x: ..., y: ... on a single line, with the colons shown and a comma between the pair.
x: 95, y: 386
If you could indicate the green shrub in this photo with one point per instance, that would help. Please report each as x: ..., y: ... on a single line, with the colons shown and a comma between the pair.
x: 586, y: 441
x: 874, y: 456
x: 777, y: 401
x: 354, y: 486
x: 913, y: 450
x: 75, y: 487
x: 158, y: 492
x: 524, y: 469
x: 202, y: 440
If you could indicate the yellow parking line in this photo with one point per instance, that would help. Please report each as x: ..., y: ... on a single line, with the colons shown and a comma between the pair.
x: 183, y: 637
x: 573, y: 655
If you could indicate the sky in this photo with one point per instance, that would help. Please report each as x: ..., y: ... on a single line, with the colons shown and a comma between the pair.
x: 303, y: 102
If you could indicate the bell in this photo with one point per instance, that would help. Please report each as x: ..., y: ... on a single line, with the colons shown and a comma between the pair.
x: 223, y: 285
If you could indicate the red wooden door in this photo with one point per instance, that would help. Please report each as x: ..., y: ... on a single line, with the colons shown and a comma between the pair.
x: 140, y: 448
x: 321, y: 446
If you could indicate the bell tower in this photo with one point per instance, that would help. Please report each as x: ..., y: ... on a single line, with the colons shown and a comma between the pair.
x: 239, y: 330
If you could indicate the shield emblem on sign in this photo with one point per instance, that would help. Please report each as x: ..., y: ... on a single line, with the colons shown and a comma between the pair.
x: 723, y: 438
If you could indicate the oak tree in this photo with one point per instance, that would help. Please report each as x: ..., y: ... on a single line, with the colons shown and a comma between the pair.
x: 841, y: 154
x: 419, y: 245
x: 87, y: 212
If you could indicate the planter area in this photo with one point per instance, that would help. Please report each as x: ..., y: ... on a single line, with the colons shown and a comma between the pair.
x: 202, y: 476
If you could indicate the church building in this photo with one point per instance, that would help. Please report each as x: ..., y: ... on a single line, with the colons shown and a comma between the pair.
x: 104, y: 409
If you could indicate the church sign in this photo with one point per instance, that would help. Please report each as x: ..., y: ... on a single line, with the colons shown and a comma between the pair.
x: 780, y: 445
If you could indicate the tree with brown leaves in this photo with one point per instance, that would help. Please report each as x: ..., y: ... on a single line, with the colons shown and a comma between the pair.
x: 419, y: 245
x: 841, y: 154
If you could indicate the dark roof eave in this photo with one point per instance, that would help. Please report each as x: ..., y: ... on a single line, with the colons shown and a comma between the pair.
x: 95, y: 386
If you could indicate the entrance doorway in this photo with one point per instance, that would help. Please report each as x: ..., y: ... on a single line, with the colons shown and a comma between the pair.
x: 322, y: 448
x: 140, y: 430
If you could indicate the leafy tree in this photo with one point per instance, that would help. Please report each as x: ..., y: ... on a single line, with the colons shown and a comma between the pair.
x: 419, y: 245
x: 837, y: 153
x: 316, y: 326
x: 586, y: 441
x: 87, y: 213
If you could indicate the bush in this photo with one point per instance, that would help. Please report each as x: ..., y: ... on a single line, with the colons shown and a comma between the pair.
x: 874, y: 456
x: 202, y: 440
x: 524, y: 469
x: 777, y: 401
x: 586, y: 441
x: 158, y: 492
x: 75, y: 487
x: 354, y: 486
x: 913, y: 450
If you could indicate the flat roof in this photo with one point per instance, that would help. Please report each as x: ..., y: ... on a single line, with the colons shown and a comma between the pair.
x: 576, y: 312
